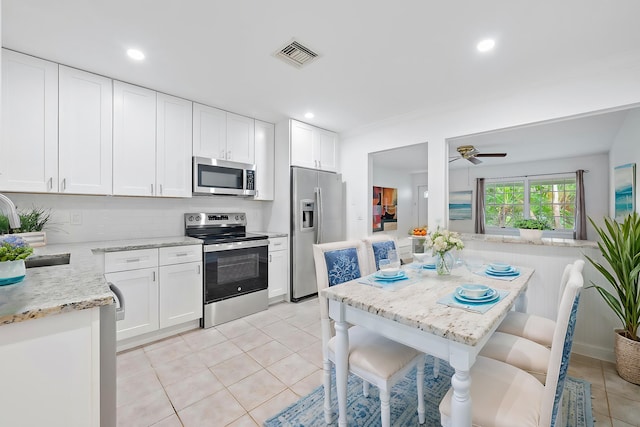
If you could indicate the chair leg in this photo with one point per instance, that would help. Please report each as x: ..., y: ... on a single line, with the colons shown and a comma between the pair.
x: 436, y: 367
x: 385, y: 408
x: 365, y: 388
x: 328, y: 416
x: 420, y: 385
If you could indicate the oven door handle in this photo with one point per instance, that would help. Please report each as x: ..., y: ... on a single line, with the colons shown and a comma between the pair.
x: 218, y: 247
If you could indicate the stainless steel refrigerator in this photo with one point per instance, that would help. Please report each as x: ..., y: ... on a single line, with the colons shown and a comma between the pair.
x: 317, y: 216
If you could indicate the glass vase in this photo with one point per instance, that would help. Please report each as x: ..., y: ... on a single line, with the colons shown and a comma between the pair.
x: 444, y: 263
x: 11, y: 272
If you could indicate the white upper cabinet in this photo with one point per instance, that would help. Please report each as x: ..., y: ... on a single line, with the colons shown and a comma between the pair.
x: 173, y: 146
x: 84, y: 142
x: 29, y: 144
x: 240, y: 138
x: 265, y: 158
x: 221, y: 135
x: 209, y: 132
x: 312, y: 147
x: 134, y: 140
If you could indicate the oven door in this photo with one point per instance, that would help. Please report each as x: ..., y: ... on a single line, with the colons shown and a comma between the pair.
x: 233, y: 269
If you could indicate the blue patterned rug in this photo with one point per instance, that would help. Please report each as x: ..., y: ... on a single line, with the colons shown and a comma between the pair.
x: 365, y: 412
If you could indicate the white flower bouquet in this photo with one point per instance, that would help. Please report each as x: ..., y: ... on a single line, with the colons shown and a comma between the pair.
x: 441, y: 241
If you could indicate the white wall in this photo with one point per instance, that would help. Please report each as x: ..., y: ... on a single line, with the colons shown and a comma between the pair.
x: 596, y: 182
x: 625, y: 149
x: 114, y: 218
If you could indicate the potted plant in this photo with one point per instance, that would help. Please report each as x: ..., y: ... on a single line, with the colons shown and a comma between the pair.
x: 32, y: 223
x: 620, y: 248
x: 13, y: 251
x: 531, y: 229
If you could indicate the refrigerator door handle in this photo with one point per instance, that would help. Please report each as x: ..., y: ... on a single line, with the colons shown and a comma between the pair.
x: 319, y: 215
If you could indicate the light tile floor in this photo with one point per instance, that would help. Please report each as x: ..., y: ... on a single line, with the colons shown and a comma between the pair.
x: 241, y: 373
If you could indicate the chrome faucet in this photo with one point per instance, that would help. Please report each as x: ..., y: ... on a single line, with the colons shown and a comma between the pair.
x: 12, y: 213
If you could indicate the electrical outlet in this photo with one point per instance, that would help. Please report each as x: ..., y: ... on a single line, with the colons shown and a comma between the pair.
x: 75, y: 218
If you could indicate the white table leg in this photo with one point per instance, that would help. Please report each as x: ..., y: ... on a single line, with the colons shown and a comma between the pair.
x: 461, y: 399
x: 342, y: 370
x: 521, y: 303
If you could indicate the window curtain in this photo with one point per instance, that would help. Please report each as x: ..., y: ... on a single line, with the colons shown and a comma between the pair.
x: 580, y: 232
x: 479, y: 224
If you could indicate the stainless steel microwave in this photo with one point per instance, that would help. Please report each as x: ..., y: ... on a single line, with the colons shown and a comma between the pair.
x: 213, y: 176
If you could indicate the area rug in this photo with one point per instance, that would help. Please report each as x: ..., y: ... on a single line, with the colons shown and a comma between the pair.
x: 365, y: 412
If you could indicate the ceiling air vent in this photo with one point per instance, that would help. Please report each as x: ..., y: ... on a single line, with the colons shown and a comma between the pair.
x: 296, y: 54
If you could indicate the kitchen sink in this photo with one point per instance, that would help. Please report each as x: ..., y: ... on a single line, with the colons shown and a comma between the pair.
x: 47, y: 260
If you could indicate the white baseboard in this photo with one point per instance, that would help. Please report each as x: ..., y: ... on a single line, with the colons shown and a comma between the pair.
x: 596, y: 352
x: 147, y: 338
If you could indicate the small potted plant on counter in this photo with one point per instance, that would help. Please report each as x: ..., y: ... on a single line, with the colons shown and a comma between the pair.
x: 13, y: 251
x: 531, y: 229
x: 32, y: 224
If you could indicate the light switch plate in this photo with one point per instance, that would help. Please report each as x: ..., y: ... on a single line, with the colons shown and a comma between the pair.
x: 75, y: 218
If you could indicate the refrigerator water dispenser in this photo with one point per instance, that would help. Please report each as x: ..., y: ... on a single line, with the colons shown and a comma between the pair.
x: 307, y: 207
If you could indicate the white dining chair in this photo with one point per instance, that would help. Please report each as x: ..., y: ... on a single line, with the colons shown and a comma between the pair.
x: 373, y: 358
x: 521, y: 352
x: 532, y: 327
x: 376, y: 248
x: 505, y: 396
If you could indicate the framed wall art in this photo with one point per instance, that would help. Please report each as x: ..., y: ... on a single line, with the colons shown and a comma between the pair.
x: 624, y: 178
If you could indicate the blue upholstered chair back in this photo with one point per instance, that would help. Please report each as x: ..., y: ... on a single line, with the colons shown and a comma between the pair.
x: 376, y: 248
x: 342, y: 265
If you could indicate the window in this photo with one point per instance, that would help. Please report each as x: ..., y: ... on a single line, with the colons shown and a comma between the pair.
x: 551, y: 197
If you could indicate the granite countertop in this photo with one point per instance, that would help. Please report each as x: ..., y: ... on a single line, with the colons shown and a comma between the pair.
x: 78, y: 285
x: 545, y: 241
x: 416, y: 305
x: 272, y: 234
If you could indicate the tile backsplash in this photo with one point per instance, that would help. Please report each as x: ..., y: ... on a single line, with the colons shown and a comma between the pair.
x: 96, y: 218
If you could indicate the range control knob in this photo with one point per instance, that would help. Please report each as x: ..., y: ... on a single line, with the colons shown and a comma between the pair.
x: 191, y: 218
x: 198, y: 218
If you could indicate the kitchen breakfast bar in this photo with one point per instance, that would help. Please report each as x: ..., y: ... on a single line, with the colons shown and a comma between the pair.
x: 417, y: 315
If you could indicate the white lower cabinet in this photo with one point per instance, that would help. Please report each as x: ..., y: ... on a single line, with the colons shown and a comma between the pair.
x: 50, y: 371
x: 278, y: 267
x: 162, y: 288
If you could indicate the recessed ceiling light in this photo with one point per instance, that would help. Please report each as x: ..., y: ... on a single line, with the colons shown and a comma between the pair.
x: 486, y: 45
x: 135, y: 54
x: 309, y: 116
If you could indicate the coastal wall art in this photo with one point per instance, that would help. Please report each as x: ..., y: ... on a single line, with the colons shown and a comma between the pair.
x: 460, y: 205
x: 624, y: 178
x: 384, y: 213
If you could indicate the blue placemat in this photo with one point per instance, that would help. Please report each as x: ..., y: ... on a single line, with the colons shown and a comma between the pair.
x: 481, y: 308
x: 391, y: 285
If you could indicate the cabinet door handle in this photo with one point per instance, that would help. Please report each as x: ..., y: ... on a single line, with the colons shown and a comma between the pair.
x: 277, y: 244
x: 152, y: 189
x: 132, y: 260
x: 229, y: 155
x: 50, y: 184
x: 198, y: 269
x: 182, y: 254
x: 161, y: 189
x: 270, y: 258
x: 64, y: 184
x: 222, y: 153
x: 154, y: 276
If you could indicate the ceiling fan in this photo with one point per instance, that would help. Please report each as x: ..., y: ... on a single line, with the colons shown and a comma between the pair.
x: 471, y: 153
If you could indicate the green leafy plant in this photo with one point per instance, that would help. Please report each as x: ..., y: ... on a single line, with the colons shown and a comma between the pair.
x: 34, y: 219
x: 532, y: 224
x: 13, y: 248
x: 620, y: 247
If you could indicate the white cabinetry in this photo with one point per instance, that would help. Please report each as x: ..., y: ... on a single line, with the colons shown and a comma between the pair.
x: 162, y: 288
x: 221, y: 135
x: 85, y: 104
x: 278, y: 267
x: 151, y: 143
x: 53, y: 363
x: 312, y: 147
x: 134, y: 140
x: 265, y: 158
x: 173, y: 146
x: 29, y: 144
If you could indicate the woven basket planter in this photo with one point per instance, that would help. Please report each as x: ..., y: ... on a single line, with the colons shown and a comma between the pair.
x: 627, y: 358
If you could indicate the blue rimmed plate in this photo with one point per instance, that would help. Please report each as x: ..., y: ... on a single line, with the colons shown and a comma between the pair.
x: 379, y: 276
x: 513, y: 273
x: 492, y: 296
x: 429, y: 266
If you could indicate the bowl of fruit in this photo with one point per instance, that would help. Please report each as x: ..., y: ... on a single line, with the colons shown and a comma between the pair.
x: 418, y: 231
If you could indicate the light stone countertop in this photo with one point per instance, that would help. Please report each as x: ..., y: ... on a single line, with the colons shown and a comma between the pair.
x: 416, y: 304
x: 545, y: 241
x: 78, y: 285
x: 272, y: 234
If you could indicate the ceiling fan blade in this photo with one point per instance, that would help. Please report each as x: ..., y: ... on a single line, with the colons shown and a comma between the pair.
x: 491, y: 155
x: 474, y: 160
x: 454, y: 159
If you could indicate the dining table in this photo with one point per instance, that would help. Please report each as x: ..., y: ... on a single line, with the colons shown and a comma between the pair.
x: 419, y: 311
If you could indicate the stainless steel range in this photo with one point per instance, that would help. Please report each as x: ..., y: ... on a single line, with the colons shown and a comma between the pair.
x: 235, y: 266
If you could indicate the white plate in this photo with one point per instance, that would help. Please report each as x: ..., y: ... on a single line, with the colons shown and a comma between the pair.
x: 509, y: 270
x: 494, y: 297
x: 491, y: 293
x: 500, y: 266
x: 400, y: 275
